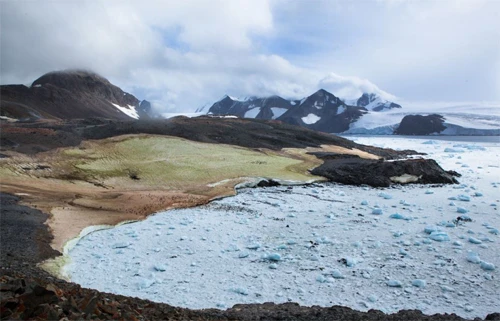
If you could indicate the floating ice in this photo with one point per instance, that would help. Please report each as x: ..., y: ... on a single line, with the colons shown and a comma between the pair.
x: 120, y: 245
x: 337, y: 274
x: 487, y: 266
x: 478, y: 194
x: 160, y: 268
x: 431, y: 228
x: 274, y: 257
x: 463, y: 198
x: 429, y: 192
x: 243, y: 255
x: 240, y: 290
x: 364, y: 202
x: 453, y: 150
x: 461, y: 210
x: 400, y: 217
x: 473, y: 257
x: 273, y: 266
x: 377, y: 211
x: 394, y: 283
x: 144, y: 283
x: 253, y: 246
x: 385, y: 195
x: 419, y: 283
x: 474, y: 240
x: 321, y: 279
x: 439, y: 236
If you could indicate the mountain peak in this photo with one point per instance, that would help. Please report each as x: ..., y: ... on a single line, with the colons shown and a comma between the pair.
x: 63, y: 77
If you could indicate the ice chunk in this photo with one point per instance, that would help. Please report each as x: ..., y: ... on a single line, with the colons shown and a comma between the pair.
x: 377, y: 211
x: 473, y: 257
x: 474, y: 240
x: 321, y: 279
x: 394, y: 283
x: 160, y: 267
x: 120, y: 245
x: 487, y: 266
x: 364, y: 202
x: 464, y: 198
x: 243, y: 255
x: 439, y: 236
x: 453, y: 150
x: 494, y: 231
x: 385, y: 195
x: 274, y: 257
x: 144, y: 283
x: 273, y: 266
x: 478, y: 194
x: 419, y: 283
x: 337, y: 274
x: 400, y: 217
x: 461, y: 210
x: 240, y: 290
x: 429, y: 192
x: 253, y: 246
x: 431, y: 228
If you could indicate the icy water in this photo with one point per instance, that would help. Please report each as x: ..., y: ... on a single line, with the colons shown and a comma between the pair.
x: 388, y: 249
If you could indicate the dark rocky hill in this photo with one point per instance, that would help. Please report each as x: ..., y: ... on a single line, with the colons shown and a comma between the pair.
x: 420, y: 125
x: 70, y: 94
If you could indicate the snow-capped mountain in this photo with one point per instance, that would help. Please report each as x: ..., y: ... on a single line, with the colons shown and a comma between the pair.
x: 252, y: 107
x: 321, y: 111
x: 71, y: 94
x: 374, y: 102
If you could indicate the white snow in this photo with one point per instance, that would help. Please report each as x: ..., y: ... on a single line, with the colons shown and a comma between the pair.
x: 310, y: 119
x: 341, y: 109
x: 460, y: 119
x: 129, y: 110
x: 318, y: 245
x: 277, y: 111
x: 252, y: 113
x: 190, y: 115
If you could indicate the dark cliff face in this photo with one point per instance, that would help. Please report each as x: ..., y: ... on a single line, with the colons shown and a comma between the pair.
x: 66, y: 95
x: 420, y: 125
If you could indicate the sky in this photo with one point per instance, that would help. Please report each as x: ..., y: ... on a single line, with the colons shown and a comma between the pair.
x: 181, y: 55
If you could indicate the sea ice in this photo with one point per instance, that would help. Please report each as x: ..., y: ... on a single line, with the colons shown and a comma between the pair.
x: 377, y: 211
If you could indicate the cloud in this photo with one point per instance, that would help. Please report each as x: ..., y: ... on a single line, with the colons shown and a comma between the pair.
x: 184, y: 54
x: 352, y: 87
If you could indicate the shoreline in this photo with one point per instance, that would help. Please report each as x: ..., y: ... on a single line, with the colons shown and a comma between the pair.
x: 58, y: 266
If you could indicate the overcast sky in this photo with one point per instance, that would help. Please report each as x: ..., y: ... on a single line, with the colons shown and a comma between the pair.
x: 183, y: 54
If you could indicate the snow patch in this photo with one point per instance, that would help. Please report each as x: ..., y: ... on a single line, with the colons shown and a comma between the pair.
x: 310, y: 119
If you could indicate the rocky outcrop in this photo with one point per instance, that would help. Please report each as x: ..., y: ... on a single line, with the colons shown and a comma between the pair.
x: 357, y: 171
x: 420, y: 125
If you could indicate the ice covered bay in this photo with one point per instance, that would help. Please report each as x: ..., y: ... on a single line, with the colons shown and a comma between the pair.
x: 388, y: 249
